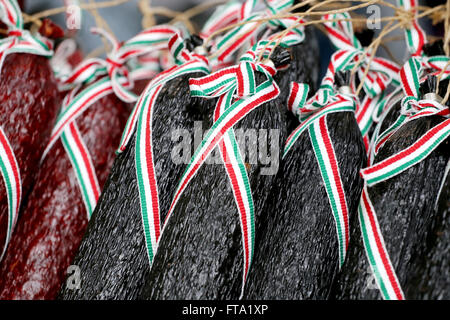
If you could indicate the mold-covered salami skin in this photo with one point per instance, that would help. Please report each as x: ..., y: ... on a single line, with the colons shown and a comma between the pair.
x: 112, y: 256
x: 54, y: 219
x: 410, y: 223
x: 200, y: 250
x: 29, y: 103
x: 436, y: 262
x: 296, y: 251
x: 200, y: 254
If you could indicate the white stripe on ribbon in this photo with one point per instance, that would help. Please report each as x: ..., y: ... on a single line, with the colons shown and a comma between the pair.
x: 82, y: 165
x: 376, y: 251
x: 13, y: 184
x: 329, y: 169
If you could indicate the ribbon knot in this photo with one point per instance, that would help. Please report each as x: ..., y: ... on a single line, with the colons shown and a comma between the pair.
x: 238, y: 79
x: 245, y: 76
x: 20, y: 40
x: 15, y: 33
x: 112, y: 64
x: 381, y: 71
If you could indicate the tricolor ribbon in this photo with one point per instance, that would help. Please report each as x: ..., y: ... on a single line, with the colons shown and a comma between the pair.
x: 18, y: 40
x: 236, y: 38
x: 92, y: 80
x: 13, y: 183
x: 142, y: 118
x: 412, y: 108
x: 312, y: 114
x: 145, y: 67
x: 381, y: 72
x: 110, y: 75
x: 411, y: 78
x: 415, y: 36
x: 224, y: 15
x: 238, y: 95
x: 80, y: 160
x: 60, y: 64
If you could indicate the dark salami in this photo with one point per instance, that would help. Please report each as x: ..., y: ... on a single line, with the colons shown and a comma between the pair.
x: 29, y: 104
x: 296, y: 254
x: 54, y: 219
x: 409, y: 221
x: 112, y: 256
x: 200, y: 254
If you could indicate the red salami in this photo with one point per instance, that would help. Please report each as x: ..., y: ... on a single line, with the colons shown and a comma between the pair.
x: 29, y: 102
x: 54, y: 219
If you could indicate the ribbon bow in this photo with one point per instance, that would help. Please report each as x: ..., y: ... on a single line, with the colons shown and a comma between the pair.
x: 19, y: 39
x: 105, y: 76
x: 412, y: 107
x: 381, y: 72
x: 235, y: 38
x: 312, y: 114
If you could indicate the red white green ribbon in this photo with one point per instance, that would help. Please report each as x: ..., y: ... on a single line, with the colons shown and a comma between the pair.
x: 238, y: 95
x: 408, y: 157
x: 410, y: 75
x: 142, y: 118
x: 384, y: 105
x: 104, y: 77
x: 240, y: 185
x: 18, y: 40
x: 234, y: 39
x: 223, y: 16
x: 11, y: 177
x: 415, y: 36
x: 81, y: 161
x: 101, y: 78
x: 376, y: 251
x: 412, y: 108
x: 312, y: 114
x: 145, y: 67
x: 381, y: 72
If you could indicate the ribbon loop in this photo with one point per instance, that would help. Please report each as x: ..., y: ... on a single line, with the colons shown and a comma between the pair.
x: 20, y: 40
x: 415, y: 36
x: 381, y: 71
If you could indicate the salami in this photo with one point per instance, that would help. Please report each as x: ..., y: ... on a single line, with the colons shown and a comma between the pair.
x: 112, y: 256
x: 29, y: 104
x: 296, y: 253
x: 209, y: 264
x: 410, y: 221
x: 54, y: 219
